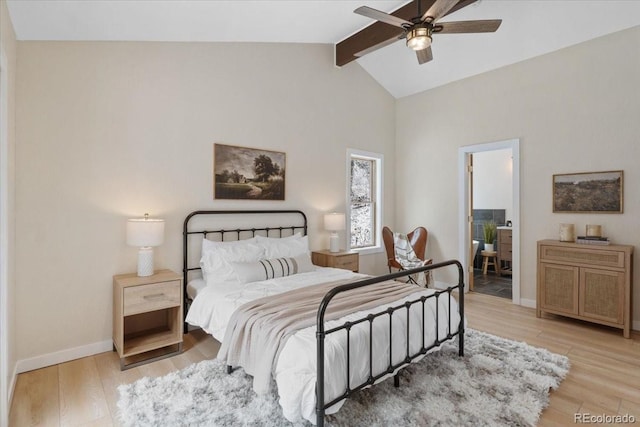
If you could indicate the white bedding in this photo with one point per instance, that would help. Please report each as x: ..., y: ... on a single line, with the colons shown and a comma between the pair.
x: 214, y: 305
x: 195, y: 286
x: 295, y: 371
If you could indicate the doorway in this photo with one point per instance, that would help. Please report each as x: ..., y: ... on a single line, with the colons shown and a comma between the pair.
x: 492, y: 210
x: 468, y: 228
x: 4, y: 245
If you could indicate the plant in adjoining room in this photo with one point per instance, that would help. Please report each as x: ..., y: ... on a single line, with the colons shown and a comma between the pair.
x: 489, y: 230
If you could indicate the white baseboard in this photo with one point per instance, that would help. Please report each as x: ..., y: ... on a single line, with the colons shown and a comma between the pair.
x: 531, y: 303
x: 62, y: 356
x: 12, y: 385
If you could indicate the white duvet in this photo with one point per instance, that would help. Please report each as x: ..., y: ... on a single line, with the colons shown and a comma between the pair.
x: 295, y: 371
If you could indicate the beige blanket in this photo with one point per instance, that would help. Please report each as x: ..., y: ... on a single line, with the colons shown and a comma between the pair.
x: 258, y: 330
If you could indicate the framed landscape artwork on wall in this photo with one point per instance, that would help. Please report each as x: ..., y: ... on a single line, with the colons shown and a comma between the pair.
x: 588, y: 192
x: 248, y: 173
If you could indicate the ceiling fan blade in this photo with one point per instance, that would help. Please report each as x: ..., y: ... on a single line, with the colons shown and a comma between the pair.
x: 484, y: 26
x: 438, y: 10
x: 382, y: 17
x: 379, y: 45
x: 424, y: 55
x: 377, y: 31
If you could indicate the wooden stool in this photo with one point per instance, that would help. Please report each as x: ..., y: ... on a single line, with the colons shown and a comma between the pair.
x: 489, y: 258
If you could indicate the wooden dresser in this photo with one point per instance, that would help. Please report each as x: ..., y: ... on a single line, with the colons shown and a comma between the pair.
x: 587, y: 282
x: 505, y: 236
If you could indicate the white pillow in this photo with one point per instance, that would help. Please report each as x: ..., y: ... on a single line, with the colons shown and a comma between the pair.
x: 208, y: 245
x: 286, y: 247
x: 216, y: 259
x: 247, y: 272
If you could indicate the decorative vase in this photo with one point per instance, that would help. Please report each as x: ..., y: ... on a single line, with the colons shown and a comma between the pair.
x: 488, y: 247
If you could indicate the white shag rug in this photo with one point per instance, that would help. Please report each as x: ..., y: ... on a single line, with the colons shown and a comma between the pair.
x: 498, y: 382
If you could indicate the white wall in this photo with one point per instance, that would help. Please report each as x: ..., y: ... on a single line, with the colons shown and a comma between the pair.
x: 492, y: 187
x: 109, y: 131
x: 8, y: 49
x: 574, y: 110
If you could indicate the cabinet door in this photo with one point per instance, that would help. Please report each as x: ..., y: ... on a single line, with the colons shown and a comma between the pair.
x: 559, y: 288
x: 602, y: 294
x: 505, y: 251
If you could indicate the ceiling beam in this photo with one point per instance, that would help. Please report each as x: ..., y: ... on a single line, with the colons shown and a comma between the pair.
x: 378, y: 32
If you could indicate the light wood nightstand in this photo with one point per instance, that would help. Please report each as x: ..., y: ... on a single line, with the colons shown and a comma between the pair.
x: 147, y: 317
x: 347, y: 260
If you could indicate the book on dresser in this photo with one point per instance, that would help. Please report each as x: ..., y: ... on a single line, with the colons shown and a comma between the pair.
x: 592, y: 240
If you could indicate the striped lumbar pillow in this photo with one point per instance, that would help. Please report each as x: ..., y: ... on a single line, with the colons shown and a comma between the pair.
x: 266, y: 269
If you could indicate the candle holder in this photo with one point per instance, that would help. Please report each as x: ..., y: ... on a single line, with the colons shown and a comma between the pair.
x: 567, y: 233
x: 594, y: 230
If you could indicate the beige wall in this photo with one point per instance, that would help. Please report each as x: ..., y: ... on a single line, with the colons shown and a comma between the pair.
x: 8, y: 47
x: 113, y: 130
x: 573, y: 110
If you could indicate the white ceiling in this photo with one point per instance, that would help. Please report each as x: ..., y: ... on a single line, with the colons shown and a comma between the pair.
x: 529, y: 28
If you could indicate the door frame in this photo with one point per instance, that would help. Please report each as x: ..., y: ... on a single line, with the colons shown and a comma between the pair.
x: 4, y: 241
x: 464, y: 190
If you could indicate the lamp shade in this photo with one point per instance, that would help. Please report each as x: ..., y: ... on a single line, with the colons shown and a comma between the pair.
x: 144, y: 232
x: 334, y: 221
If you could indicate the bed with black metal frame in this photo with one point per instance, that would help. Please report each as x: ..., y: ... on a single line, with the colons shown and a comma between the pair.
x: 321, y: 332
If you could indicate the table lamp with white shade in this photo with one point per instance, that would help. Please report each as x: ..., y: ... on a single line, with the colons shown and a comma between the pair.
x: 145, y: 233
x: 334, y: 222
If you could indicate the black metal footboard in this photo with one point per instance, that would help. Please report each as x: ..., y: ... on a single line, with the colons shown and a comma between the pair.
x: 321, y: 333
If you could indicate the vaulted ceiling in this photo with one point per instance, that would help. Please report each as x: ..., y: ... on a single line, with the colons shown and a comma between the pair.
x: 529, y: 28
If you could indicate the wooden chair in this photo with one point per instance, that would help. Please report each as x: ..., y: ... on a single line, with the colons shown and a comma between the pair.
x: 417, y: 239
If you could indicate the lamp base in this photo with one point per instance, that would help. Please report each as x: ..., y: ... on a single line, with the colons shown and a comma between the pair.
x: 334, y: 242
x: 145, y: 261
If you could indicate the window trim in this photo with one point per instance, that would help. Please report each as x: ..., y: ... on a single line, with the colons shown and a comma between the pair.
x: 378, y: 201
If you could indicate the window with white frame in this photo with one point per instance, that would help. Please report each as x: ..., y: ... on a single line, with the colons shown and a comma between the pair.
x: 364, y: 197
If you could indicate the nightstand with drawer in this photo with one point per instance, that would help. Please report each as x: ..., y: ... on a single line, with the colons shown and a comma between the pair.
x: 147, y: 317
x: 346, y: 260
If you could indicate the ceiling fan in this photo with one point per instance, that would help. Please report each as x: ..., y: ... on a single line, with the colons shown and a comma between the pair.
x: 419, y: 31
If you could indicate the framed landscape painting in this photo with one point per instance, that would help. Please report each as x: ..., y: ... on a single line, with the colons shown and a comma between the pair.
x: 589, y: 192
x: 248, y: 173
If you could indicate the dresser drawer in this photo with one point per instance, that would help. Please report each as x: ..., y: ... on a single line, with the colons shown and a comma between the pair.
x: 588, y: 256
x: 506, y: 236
x: 347, y: 262
x: 156, y: 296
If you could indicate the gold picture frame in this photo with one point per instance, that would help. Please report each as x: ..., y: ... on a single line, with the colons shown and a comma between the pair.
x: 243, y: 173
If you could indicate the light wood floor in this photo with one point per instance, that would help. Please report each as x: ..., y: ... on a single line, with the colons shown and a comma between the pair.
x: 604, y: 376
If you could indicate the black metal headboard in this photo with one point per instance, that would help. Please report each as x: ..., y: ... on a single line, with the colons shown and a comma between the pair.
x: 276, y: 220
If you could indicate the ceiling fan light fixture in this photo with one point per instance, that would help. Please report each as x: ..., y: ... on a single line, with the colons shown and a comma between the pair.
x: 419, y: 38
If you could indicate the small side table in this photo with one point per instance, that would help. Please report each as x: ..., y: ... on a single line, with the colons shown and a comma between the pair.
x: 347, y: 260
x: 490, y: 258
x: 147, y: 315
